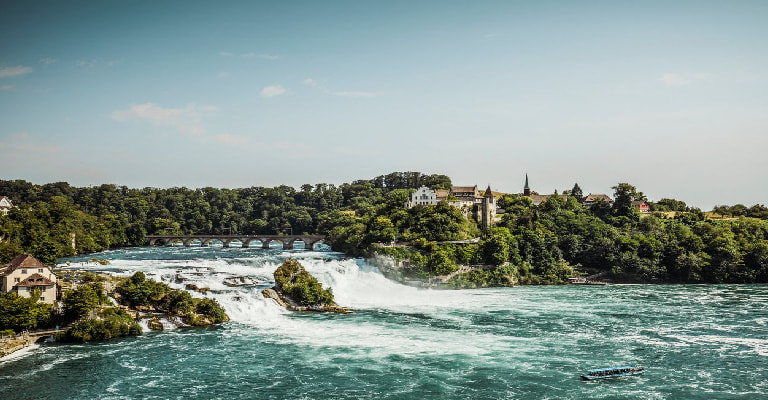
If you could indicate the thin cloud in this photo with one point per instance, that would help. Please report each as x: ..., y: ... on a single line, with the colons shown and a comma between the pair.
x: 273, y: 91
x: 678, y: 79
x: 48, y: 61
x: 185, y: 120
x: 223, y: 74
x: 95, y: 62
x: 10, y: 72
x: 6, y: 88
x: 355, y: 94
x: 231, y: 140
x: 21, y: 143
x: 315, y: 84
x: 261, y: 56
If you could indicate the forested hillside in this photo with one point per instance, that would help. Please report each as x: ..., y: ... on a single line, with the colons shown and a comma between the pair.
x: 530, y: 243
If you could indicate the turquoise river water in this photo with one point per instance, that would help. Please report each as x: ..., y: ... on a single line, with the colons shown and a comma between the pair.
x: 696, y: 341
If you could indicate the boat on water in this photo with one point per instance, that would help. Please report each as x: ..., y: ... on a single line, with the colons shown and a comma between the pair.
x: 611, y: 372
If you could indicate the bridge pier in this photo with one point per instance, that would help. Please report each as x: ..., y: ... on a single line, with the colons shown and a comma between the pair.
x: 288, y: 241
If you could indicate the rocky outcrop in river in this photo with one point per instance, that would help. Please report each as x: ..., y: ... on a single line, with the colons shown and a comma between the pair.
x: 297, y: 290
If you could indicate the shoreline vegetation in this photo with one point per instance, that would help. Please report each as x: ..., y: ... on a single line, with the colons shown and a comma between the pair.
x: 103, y: 307
x: 547, y: 243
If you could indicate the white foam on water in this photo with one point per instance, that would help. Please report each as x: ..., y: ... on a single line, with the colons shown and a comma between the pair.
x: 355, y: 285
x: 18, y: 354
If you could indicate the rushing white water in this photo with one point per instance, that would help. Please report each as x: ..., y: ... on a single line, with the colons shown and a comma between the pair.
x: 405, y: 342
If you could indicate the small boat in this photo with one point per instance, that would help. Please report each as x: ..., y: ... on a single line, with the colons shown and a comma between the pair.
x: 611, y: 372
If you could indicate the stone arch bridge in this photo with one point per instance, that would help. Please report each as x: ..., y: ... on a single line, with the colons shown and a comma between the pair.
x: 245, y: 240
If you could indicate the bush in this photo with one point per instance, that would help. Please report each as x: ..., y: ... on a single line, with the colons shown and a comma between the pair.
x: 139, y: 291
x: 178, y: 302
x: 112, y: 323
x: 19, y: 313
x: 211, y: 309
x: 293, y: 280
x: 79, y: 302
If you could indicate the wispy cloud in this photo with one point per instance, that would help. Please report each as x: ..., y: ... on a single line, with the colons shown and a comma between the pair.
x: 231, y: 140
x: 261, y: 56
x: 48, y: 61
x: 94, y: 62
x: 185, y: 120
x: 355, y: 94
x: 223, y: 74
x: 680, y: 79
x: 10, y: 72
x: 273, y: 91
x: 270, y: 57
x: 21, y: 141
x: 6, y: 88
x: 315, y: 84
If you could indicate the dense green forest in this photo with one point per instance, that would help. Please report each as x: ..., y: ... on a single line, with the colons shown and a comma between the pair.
x: 532, y: 244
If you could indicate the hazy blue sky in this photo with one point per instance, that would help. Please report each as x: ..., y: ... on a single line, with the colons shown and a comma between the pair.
x: 671, y: 96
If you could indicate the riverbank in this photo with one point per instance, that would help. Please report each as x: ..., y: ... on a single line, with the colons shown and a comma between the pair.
x: 524, y: 342
x: 13, y: 343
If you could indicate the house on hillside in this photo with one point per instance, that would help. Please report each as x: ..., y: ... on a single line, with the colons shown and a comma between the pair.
x: 465, y: 195
x: 24, y: 274
x: 5, y: 205
x: 537, y: 199
x: 642, y: 206
x: 423, y: 196
x: 594, y: 198
x: 467, y: 199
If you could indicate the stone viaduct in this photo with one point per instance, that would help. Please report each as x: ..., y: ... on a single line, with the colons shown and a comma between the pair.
x: 245, y: 240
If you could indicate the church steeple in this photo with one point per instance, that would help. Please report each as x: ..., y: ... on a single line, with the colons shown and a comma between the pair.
x: 526, y: 189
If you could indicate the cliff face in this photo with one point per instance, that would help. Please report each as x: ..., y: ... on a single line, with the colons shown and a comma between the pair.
x: 465, y: 277
x: 297, y: 290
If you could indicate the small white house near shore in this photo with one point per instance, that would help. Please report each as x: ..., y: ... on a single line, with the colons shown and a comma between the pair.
x: 24, y: 274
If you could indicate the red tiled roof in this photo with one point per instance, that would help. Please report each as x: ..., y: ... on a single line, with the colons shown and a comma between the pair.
x: 21, y: 261
x: 464, y: 189
x: 25, y: 260
x: 597, y: 197
x: 36, y: 280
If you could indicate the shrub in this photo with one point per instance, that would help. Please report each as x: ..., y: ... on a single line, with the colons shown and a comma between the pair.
x: 112, y: 323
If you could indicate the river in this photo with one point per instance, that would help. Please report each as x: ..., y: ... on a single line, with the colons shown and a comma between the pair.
x: 696, y: 341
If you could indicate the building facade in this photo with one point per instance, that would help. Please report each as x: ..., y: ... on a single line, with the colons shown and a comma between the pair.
x: 423, y: 196
x: 5, y: 205
x: 25, y: 274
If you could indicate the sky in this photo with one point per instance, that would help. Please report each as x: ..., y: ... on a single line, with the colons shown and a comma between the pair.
x: 670, y: 96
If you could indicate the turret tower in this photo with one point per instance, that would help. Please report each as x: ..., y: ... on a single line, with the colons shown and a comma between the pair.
x: 526, y: 189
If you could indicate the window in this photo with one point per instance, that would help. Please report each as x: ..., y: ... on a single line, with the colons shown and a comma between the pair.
x: 23, y: 271
x: 42, y: 298
x: 40, y: 270
x: 16, y: 280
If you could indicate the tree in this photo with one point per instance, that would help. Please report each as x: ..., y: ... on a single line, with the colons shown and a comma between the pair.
x: 577, y: 193
x: 23, y: 313
x: 495, y: 249
x: 624, y: 196
x: 79, y: 302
